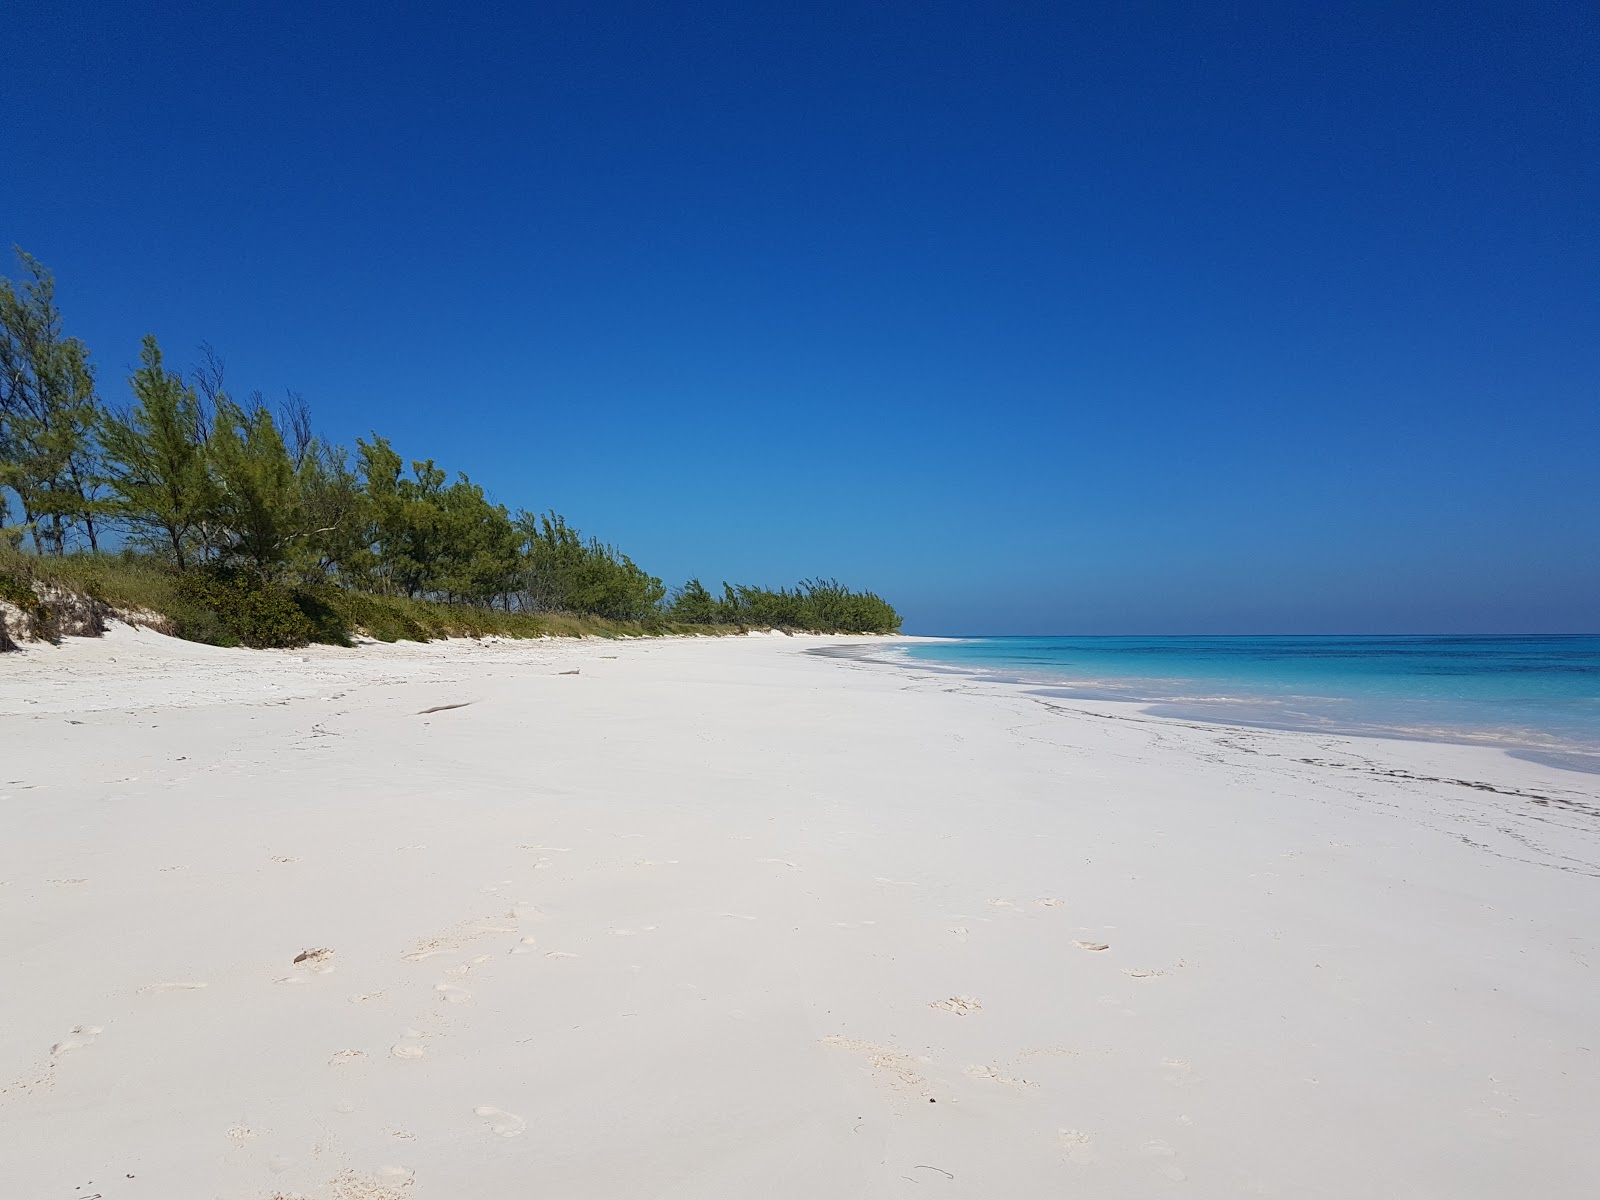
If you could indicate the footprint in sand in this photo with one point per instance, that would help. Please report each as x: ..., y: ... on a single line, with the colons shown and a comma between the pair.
x: 451, y: 993
x: 902, y: 1072
x: 82, y: 1035
x: 960, y: 1005
x: 561, y: 954
x: 1076, y: 1145
x: 348, y: 1185
x: 1091, y: 945
x: 780, y: 862
x: 1049, y: 902
x: 500, y: 1122
x: 346, y: 1058
x: 959, y: 932
x: 177, y: 986
x: 526, y: 946
x: 994, y: 1076
x: 409, y: 1045
x: 318, y: 961
x: 452, y: 940
x: 1158, y: 1149
x: 420, y: 955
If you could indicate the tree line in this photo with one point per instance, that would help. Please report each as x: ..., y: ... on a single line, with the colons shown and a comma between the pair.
x: 186, y: 474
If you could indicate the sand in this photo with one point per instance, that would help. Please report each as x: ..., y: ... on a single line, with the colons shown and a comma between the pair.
x: 722, y: 918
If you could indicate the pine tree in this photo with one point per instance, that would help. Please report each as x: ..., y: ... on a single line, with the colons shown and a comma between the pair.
x: 257, y: 490
x: 694, y: 604
x: 48, y: 415
x: 332, y: 508
x: 156, y: 460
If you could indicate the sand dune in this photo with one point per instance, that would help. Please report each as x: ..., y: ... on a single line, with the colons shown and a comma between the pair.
x: 720, y: 918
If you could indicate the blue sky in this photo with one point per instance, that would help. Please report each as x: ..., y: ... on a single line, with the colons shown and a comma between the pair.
x: 1034, y: 317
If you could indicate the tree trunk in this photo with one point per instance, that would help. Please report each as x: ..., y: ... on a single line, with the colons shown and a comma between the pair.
x: 33, y: 524
x: 83, y: 499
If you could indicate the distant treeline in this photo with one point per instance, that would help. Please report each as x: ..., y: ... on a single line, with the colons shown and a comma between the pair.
x: 240, y: 502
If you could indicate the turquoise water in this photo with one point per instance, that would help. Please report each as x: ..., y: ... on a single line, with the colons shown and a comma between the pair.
x: 1531, y: 693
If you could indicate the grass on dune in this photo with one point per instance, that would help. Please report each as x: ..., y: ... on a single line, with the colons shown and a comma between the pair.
x: 235, y: 609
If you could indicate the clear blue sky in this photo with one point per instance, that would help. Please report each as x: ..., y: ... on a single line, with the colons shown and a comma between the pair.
x: 1034, y: 317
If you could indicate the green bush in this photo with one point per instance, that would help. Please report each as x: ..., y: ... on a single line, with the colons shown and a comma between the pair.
x: 236, y: 608
x: 329, y: 626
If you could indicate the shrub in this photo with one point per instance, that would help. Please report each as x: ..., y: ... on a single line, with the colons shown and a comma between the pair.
x: 236, y: 608
x: 329, y: 626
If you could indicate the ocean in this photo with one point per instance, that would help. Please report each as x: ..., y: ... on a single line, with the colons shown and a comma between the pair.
x: 1535, y: 695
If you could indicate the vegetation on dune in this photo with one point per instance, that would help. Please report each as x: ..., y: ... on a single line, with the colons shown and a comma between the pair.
x: 821, y: 604
x: 238, y: 525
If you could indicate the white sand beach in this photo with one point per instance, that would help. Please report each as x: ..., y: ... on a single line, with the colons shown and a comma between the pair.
x: 720, y: 918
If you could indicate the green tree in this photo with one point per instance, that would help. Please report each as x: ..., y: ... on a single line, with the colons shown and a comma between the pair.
x: 693, y: 604
x: 477, y: 556
x: 420, y: 544
x: 407, y: 523
x: 369, y: 558
x: 332, y: 510
x: 566, y: 572
x: 258, y: 503
x: 48, y: 415
x: 816, y: 605
x: 155, y: 458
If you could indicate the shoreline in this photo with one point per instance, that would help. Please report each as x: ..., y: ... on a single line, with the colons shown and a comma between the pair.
x: 1531, y: 745
x: 689, y: 917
